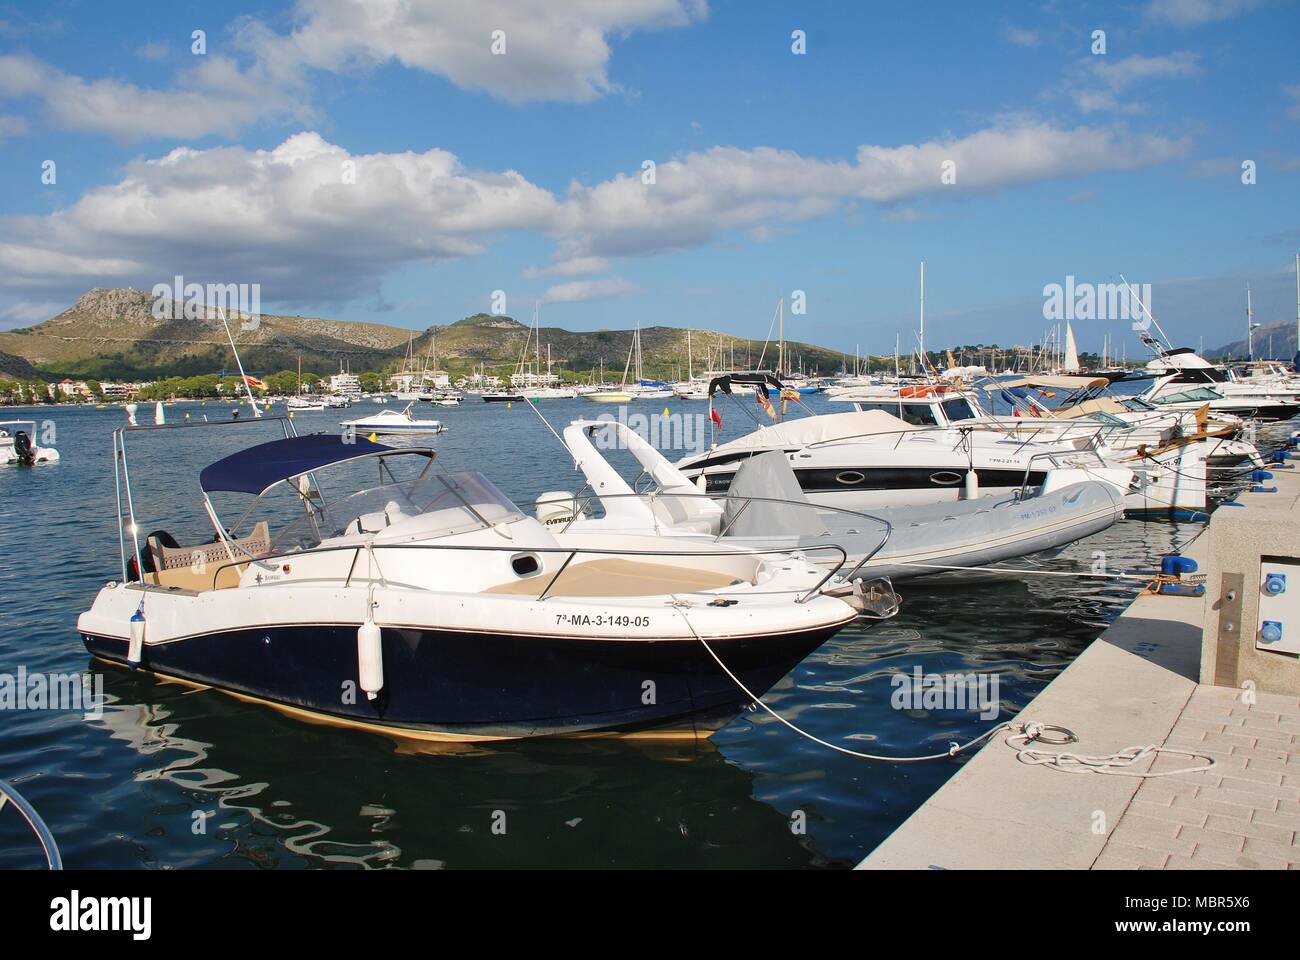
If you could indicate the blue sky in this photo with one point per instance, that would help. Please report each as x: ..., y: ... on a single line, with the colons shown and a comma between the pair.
x: 777, y: 172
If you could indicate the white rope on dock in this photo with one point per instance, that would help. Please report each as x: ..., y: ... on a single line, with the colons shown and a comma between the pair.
x: 1120, y: 763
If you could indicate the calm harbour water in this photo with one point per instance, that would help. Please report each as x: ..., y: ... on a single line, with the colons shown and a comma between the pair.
x: 123, y: 790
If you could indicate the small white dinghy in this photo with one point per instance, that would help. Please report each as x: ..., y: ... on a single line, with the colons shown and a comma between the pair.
x: 393, y: 423
x: 18, y: 447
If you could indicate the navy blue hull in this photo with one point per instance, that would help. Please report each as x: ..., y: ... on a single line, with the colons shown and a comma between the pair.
x: 482, y: 684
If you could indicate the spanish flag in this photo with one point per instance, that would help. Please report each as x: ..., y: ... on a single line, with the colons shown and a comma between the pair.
x: 765, y: 403
x: 253, y: 382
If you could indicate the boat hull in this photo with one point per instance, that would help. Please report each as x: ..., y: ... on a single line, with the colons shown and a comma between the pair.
x: 870, y: 487
x: 448, y: 685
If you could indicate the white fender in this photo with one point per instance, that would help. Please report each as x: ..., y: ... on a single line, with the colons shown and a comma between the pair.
x: 370, y: 658
x: 135, y: 649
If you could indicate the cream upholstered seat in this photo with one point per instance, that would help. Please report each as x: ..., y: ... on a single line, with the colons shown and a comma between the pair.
x: 206, y: 566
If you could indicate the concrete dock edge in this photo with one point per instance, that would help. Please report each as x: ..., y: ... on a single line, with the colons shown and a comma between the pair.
x: 1137, y: 684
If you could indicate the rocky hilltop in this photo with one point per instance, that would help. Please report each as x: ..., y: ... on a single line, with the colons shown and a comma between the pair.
x: 1283, y: 334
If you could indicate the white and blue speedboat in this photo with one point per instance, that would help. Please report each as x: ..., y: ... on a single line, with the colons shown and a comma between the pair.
x: 426, y: 604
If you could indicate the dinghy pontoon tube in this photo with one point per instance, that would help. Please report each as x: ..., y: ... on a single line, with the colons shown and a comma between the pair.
x: 766, y: 509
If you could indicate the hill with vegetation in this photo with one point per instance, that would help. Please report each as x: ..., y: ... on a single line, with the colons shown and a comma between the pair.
x: 113, y: 334
x: 17, y: 368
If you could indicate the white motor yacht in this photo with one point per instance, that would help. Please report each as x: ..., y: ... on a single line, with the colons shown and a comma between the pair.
x: 871, y: 459
x: 393, y: 423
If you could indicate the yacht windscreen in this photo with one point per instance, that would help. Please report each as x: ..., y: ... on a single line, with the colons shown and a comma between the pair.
x: 447, y: 504
x: 958, y: 409
x: 916, y: 414
x: 1193, y: 395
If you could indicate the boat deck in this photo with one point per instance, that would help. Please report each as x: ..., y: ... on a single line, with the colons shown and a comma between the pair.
x: 614, y: 577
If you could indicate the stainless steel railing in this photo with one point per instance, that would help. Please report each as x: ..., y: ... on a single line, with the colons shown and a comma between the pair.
x: 10, y: 796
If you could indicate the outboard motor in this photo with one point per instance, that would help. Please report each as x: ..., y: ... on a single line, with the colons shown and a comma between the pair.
x: 23, y: 449
x: 557, y: 507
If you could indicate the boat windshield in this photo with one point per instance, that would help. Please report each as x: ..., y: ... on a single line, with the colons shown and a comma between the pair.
x: 1136, y: 404
x: 1194, y: 395
x: 958, y: 409
x: 1109, y: 419
x: 917, y: 414
x: 450, y: 504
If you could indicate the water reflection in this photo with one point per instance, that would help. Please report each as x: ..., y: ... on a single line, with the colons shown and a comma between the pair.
x: 272, y: 791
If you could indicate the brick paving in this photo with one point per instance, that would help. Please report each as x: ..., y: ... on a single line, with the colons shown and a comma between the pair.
x: 1244, y: 813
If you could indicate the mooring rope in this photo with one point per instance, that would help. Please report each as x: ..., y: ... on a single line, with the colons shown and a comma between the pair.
x: 1020, y: 736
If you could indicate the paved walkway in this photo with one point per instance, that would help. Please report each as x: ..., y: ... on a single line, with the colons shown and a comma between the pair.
x: 1244, y: 813
x: 1136, y: 684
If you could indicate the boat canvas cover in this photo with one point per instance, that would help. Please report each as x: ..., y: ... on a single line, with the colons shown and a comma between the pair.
x: 1096, y: 405
x: 1058, y: 382
x: 826, y: 428
x: 258, y: 468
x: 770, y: 476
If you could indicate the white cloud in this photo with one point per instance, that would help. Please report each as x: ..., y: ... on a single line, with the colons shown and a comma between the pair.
x: 1099, y: 82
x: 1293, y: 92
x: 289, y: 219
x: 908, y: 215
x: 1021, y: 36
x: 213, y: 96
x: 553, y: 51
x: 1192, y: 13
x: 29, y: 312
x: 605, y: 288
x: 727, y: 188
x: 569, y: 268
x: 1215, y: 167
x: 556, y: 51
x: 154, y: 50
x: 284, y: 218
x: 12, y: 126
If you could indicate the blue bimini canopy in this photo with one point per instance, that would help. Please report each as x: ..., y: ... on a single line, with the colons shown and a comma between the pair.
x: 259, y: 468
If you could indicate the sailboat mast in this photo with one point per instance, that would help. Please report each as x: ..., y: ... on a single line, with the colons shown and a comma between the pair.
x: 1250, y: 326
x: 780, y: 347
x: 923, y: 315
